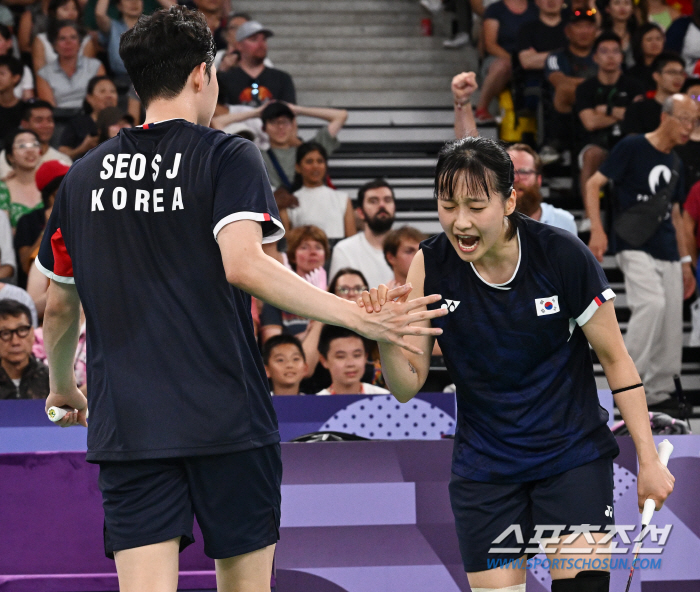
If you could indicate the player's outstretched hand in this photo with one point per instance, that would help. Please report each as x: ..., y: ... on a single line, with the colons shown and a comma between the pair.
x: 393, y: 315
x: 654, y: 482
x: 76, y: 403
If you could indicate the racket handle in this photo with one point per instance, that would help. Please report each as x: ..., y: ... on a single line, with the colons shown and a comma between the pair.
x: 665, y: 450
x: 58, y: 413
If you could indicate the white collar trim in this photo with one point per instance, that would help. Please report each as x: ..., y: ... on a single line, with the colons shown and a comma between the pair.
x: 504, y: 285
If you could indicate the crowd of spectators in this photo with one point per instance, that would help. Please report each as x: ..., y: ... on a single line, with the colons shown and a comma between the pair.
x: 595, y: 74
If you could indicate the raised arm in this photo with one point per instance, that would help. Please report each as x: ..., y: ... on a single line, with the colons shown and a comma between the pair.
x: 249, y: 268
x: 603, y: 333
x: 336, y: 118
x: 104, y: 23
x: 221, y: 121
x: 463, y: 86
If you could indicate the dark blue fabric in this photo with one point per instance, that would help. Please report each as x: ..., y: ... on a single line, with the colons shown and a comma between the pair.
x: 676, y: 34
x: 527, y: 405
x: 509, y: 23
x: 173, y: 365
x: 639, y: 170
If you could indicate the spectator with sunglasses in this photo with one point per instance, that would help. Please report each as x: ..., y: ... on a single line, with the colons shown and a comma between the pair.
x: 21, y: 375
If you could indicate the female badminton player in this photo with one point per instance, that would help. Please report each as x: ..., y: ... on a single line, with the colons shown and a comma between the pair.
x: 524, y: 302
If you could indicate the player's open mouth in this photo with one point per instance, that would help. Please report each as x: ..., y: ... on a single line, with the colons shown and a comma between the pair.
x: 467, y: 243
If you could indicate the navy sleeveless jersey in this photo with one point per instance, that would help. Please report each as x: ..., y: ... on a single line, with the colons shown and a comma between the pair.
x: 173, y: 366
x: 526, y: 395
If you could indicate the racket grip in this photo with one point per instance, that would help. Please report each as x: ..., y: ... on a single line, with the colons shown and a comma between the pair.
x: 665, y: 450
x: 58, y: 413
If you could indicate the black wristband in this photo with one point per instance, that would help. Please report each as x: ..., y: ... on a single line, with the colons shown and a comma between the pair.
x: 627, y: 388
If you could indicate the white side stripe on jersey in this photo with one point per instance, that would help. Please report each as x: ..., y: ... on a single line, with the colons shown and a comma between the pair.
x: 586, y: 315
x: 251, y: 216
x: 51, y: 275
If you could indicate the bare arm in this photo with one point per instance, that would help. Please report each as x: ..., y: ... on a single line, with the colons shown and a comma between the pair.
x: 491, y: 39
x: 603, y: 333
x: 532, y: 60
x: 598, y: 242
x: 406, y: 372
x: 221, y: 121
x: 38, y: 54
x: 37, y: 286
x: 6, y: 271
x: 688, y: 275
x: 689, y: 233
x: 557, y: 78
x: 310, y: 346
x: 61, y: 331
x: 44, y: 90
x: 336, y: 118
x: 104, y: 23
x: 24, y: 32
x: 593, y: 120
x: 249, y: 268
x: 349, y: 220
x: 463, y: 86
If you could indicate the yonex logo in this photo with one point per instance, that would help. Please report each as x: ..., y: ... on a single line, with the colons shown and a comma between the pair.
x: 609, y: 511
x: 450, y: 305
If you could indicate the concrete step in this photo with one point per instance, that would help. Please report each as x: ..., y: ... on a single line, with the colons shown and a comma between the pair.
x: 342, y: 30
x: 375, y: 98
x: 368, y: 82
x: 260, y: 7
x: 466, y: 60
x: 272, y: 19
x: 364, y: 41
x: 384, y: 70
x: 379, y: 136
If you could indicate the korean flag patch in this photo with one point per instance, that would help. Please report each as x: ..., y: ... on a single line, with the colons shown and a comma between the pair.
x: 547, y: 306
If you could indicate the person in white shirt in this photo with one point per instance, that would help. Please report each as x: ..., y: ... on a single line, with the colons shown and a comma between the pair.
x: 528, y: 180
x: 319, y: 205
x: 364, y: 251
x: 344, y: 354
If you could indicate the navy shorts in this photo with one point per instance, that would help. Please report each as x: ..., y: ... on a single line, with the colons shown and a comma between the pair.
x: 235, y: 497
x: 483, y: 511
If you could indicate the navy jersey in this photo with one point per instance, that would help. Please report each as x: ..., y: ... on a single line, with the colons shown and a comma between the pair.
x: 173, y: 366
x: 526, y: 396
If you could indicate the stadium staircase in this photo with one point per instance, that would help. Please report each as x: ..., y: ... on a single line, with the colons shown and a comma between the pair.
x: 370, y: 57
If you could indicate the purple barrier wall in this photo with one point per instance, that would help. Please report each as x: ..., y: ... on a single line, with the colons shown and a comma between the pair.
x: 356, y: 517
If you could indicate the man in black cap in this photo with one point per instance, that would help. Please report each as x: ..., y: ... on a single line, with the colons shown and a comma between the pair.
x: 252, y: 83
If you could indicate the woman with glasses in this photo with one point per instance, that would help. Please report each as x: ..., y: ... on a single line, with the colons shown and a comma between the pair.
x: 19, y: 194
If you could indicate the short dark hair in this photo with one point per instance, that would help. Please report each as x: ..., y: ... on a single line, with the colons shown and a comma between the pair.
x: 664, y: 58
x: 50, y: 189
x: 278, y: 340
x: 92, y: 83
x: 392, y: 241
x: 603, y: 37
x: 346, y: 271
x: 56, y: 26
x: 690, y: 82
x: 5, y: 32
x: 274, y: 110
x: 484, y: 164
x: 54, y: 5
x: 162, y: 49
x: 9, y: 141
x: 374, y: 184
x: 239, y: 14
x: 33, y: 104
x: 13, y: 65
x: 331, y: 332
x: 12, y: 308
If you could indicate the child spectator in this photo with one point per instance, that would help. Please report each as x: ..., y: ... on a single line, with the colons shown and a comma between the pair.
x: 647, y: 44
x: 400, y: 247
x: 344, y: 354
x: 10, y: 106
x: 81, y: 133
x: 25, y: 89
x: 63, y: 82
x: 285, y: 364
x: 19, y: 194
x: 42, y: 49
x: 319, y: 205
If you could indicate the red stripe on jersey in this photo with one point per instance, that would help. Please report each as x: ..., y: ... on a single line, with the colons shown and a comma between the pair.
x: 266, y: 217
x: 597, y: 300
x: 62, y: 263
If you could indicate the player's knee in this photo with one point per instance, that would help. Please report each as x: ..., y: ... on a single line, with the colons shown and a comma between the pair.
x: 585, y: 581
x: 516, y: 588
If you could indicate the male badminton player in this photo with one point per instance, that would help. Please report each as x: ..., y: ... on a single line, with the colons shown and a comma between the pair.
x: 159, y: 232
x: 532, y: 446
